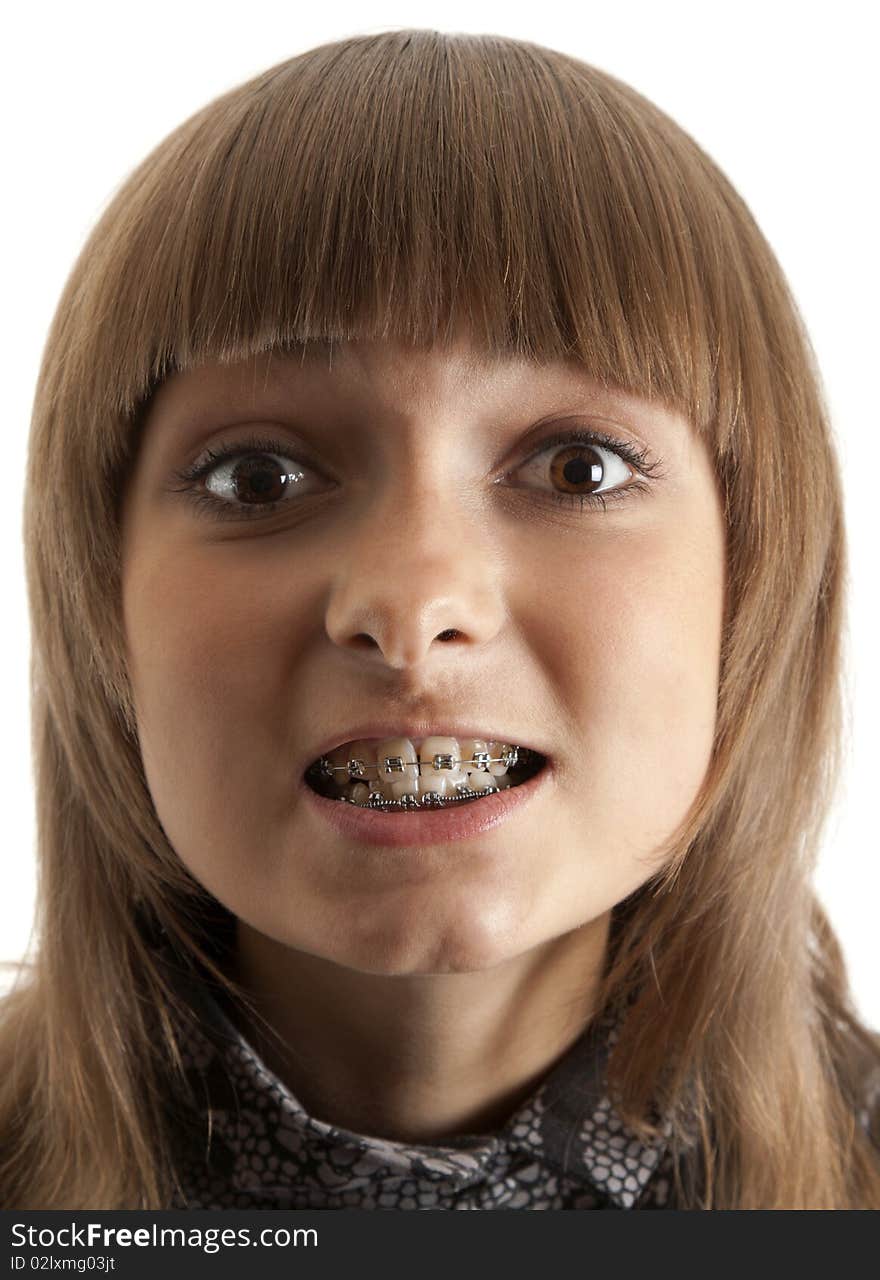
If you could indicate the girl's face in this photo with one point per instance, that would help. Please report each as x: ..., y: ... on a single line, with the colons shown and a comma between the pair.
x: 433, y: 496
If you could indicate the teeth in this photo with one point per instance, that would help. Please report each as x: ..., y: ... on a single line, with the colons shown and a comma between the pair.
x: 496, y: 751
x: 360, y: 757
x: 440, y: 769
x: 480, y: 781
x: 394, y: 772
x: 464, y: 793
x: 398, y: 770
x: 436, y: 784
x: 466, y: 754
x: 404, y: 787
x: 471, y: 751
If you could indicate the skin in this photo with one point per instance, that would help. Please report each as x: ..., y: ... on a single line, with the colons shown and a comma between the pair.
x: 421, y: 992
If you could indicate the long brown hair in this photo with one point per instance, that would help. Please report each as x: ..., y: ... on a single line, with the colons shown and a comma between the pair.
x: 411, y: 184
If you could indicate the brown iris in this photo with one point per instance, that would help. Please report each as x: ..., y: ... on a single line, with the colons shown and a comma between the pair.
x: 264, y: 486
x: 571, y: 468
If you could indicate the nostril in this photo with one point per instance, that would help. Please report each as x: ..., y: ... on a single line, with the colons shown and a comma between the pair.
x: 450, y: 634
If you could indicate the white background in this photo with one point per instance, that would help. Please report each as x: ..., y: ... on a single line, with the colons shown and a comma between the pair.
x: 781, y: 95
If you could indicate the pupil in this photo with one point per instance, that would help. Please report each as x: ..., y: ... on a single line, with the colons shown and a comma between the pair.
x: 577, y: 471
x: 261, y: 482
x: 257, y: 480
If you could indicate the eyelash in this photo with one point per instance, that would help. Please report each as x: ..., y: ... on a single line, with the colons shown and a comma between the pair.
x: 638, y: 459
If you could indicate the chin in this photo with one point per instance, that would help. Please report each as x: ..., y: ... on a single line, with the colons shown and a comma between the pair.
x: 428, y: 950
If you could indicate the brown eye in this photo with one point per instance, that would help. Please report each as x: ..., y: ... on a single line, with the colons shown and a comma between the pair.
x: 246, y: 478
x: 577, y: 469
x: 260, y: 479
x: 254, y: 479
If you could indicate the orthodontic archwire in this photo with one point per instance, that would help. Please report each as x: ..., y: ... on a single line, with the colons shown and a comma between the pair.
x: 356, y: 769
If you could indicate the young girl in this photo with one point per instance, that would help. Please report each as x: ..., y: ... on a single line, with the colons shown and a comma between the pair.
x: 435, y: 555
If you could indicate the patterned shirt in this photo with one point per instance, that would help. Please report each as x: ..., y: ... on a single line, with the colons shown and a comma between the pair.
x: 564, y: 1148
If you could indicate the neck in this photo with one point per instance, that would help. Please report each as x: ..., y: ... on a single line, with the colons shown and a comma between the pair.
x: 422, y: 1057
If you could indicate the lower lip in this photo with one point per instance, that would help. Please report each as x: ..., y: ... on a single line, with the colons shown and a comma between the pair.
x: 433, y: 826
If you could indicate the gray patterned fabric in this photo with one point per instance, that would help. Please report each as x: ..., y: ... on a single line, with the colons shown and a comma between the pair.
x: 564, y: 1148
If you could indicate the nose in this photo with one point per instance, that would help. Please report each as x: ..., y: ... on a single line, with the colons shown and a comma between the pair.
x: 419, y: 572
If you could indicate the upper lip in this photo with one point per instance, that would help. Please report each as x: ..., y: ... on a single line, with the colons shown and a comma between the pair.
x: 419, y: 729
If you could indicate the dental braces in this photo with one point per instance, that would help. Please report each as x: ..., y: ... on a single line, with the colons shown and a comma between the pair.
x: 430, y: 800
x: 396, y: 764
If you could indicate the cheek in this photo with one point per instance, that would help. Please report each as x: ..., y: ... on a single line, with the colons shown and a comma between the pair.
x: 210, y: 663
x: 638, y: 668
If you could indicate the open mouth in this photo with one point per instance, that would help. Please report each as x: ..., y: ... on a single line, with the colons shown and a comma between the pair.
x: 401, y: 774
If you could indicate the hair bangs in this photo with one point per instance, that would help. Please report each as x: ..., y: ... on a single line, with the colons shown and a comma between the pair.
x: 508, y: 195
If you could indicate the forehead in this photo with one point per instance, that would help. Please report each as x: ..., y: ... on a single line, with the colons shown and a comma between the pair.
x: 398, y: 379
